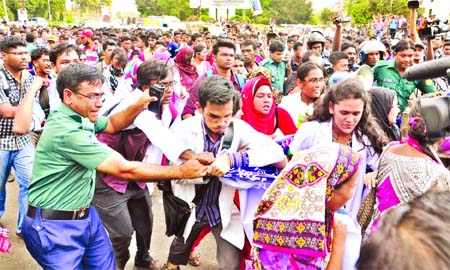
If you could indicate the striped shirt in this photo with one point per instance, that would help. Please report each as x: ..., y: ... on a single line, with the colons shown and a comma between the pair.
x: 91, y: 56
x: 12, y: 91
x: 209, y: 205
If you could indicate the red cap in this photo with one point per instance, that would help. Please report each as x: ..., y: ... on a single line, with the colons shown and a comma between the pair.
x: 87, y: 33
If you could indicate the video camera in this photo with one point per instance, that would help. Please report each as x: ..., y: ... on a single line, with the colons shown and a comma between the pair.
x: 413, y: 4
x: 339, y: 20
x: 435, y: 111
x: 156, y: 90
x: 433, y: 28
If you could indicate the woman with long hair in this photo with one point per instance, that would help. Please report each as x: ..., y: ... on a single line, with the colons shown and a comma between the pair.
x: 343, y: 116
x: 384, y: 108
x: 310, y: 79
x: 409, y: 168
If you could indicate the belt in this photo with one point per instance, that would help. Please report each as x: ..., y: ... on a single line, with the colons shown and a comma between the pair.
x: 58, y: 214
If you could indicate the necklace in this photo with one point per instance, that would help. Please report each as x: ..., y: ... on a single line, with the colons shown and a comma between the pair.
x: 336, y: 137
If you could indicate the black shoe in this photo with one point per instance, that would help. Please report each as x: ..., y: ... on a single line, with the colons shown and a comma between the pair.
x: 19, y: 234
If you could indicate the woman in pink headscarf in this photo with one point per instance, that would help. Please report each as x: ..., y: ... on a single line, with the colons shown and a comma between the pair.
x: 260, y: 110
x: 188, y: 72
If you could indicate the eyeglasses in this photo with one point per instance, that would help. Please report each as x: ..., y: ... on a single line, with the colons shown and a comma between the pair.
x: 94, y: 97
x: 167, y: 84
x: 315, y: 80
x: 18, y: 53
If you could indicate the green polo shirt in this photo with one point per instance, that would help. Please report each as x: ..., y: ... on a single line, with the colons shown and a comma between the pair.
x: 65, y: 160
x: 278, y: 71
x: 386, y: 75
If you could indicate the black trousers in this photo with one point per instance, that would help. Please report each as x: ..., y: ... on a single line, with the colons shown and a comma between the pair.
x: 125, y: 213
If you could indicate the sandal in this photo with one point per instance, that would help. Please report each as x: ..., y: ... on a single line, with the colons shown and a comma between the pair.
x: 195, y: 260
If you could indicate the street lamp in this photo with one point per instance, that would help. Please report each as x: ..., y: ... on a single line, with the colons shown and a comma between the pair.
x: 49, y: 11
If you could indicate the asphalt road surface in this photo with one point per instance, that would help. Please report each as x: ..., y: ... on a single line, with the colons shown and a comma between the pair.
x: 20, y: 259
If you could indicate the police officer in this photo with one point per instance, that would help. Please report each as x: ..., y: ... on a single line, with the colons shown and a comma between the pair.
x: 63, y: 179
x: 389, y: 74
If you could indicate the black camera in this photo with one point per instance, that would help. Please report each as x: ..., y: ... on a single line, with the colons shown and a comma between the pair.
x: 413, y: 4
x: 156, y: 90
x: 327, y: 68
x: 433, y: 28
x: 435, y: 112
x: 341, y: 20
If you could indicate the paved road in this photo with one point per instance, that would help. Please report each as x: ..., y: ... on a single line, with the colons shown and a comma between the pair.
x: 19, y: 259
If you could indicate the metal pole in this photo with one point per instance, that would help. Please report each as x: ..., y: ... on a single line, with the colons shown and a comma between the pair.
x: 49, y: 11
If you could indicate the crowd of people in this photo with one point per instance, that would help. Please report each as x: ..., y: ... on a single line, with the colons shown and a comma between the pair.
x: 90, y: 117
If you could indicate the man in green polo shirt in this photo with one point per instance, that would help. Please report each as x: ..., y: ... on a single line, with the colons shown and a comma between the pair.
x: 276, y: 65
x: 389, y: 74
x: 61, y: 230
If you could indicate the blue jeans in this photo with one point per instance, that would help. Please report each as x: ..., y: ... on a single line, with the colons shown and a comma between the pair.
x: 22, y: 162
x: 80, y: 244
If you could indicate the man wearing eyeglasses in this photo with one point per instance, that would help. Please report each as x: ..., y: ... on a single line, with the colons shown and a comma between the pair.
x: 16, y: 151
x: 63, y: 181
x: 126, y: 207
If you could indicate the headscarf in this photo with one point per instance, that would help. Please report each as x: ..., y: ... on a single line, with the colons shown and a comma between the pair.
x: 263, y: 123
x: 137, y: 52
x: 258, y: 71
x: 292, y: 215
x: 163, y: 56
x: 188, y: 72
x: 381, y: 104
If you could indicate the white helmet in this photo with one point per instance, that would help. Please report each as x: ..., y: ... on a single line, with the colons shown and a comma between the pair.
x: 371, y: 46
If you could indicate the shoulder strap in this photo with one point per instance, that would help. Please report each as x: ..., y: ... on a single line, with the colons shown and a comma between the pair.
x: 44, y: 101
x: 111, y: 109
x: 228, y: 137
x: 226, y: 144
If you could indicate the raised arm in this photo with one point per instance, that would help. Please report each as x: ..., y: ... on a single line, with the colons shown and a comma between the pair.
x: 24, y: 112
x: 123, y: 119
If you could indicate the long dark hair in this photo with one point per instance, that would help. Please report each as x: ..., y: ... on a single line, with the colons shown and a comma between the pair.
x: 381, y: 100
x: 352, y: 89
x: 417, y: 129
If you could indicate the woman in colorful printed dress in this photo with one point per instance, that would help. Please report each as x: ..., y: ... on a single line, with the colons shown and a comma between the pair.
x: 294, y: 220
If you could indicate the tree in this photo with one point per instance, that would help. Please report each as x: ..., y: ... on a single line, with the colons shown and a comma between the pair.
x: 363, y: 11
x: 178, y: 8
x: 326, y: 15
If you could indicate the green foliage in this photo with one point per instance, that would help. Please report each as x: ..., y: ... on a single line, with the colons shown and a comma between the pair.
x: 326, y: 16
x: 364, y: 11
x: 314, y: 19
x: 206, y: 18
x: 283, y: 11
x: 39, y: 8
x: 291, y: 11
